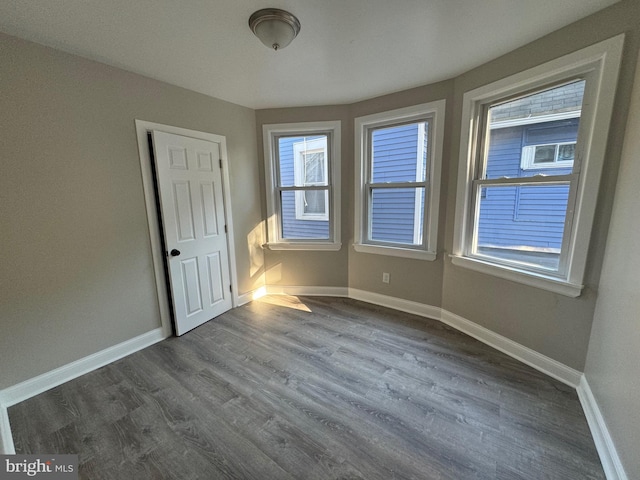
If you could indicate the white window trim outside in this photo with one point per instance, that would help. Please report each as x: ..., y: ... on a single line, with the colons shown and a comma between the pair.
x: 599, y: 65
x: 434, y: 112
x: 552, y: 117
x: 528, y: 155
x: 299, y: 150
x: 270, y: 132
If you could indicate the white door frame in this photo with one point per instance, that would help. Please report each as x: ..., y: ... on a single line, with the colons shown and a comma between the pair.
x: 142, y: 129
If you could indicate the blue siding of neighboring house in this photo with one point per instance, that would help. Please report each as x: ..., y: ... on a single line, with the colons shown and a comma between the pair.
x: 395, y: 151
x: 524, y: 216
x: 293, y: 228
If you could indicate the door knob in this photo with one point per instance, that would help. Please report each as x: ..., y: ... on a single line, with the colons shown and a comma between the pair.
x: 175, y: 252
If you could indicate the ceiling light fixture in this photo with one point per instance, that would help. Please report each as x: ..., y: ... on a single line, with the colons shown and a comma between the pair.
x: 274, y: 27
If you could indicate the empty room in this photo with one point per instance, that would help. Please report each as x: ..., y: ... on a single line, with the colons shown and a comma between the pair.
x: 358, y: 239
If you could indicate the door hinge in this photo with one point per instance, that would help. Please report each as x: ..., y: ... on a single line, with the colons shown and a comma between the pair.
x: 231, y: 288
x: 220, y: 163
x: 226, y: 230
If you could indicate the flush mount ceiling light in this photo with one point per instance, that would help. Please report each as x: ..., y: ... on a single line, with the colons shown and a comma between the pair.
x: 274, y: 27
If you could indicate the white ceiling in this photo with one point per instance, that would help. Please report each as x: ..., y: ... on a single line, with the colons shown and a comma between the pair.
x: 347, y: 50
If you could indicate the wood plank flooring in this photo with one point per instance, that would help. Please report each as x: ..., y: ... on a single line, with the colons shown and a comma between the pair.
x: 314, y: 388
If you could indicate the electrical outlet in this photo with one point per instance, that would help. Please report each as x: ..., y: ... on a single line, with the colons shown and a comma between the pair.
x: 385, y: 277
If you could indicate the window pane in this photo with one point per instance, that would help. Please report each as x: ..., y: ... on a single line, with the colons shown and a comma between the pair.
x: 302, y: 161
x: 399, y: 153
x: 314, y: 169
x: 523, y: 224
x: 304, y: 214
x: 526, y: 137
x: 396, y: 215
x: 545, y: 154
x: 314, y: 202
x: 566, y: 152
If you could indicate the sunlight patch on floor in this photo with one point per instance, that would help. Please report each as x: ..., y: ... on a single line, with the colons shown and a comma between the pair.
x: 287, y: 301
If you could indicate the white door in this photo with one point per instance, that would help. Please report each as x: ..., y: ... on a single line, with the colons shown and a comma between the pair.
x: 192, y: 206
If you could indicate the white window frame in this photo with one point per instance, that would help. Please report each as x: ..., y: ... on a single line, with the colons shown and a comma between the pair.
x: 433, y: 112
x: 273, y: 189
x: 599, y: 65
x: 528, y: 155
x: 299, y: 151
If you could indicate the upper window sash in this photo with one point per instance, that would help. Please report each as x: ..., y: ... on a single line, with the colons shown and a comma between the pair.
x: 598, y: 64
x: 274, y: 188
x: 426, y: 228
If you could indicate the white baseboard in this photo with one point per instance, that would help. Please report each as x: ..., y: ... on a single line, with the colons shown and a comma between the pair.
x: 408, y: 306
x: 6, y: 440
x: 308, y: 291
x: 251, y: 296
x: 41, y: 383
x: 609, y: 458
x: 542, y: 363
x: 34, y: 386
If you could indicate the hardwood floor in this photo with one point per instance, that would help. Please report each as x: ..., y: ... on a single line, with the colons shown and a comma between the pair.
x: 314, y: 388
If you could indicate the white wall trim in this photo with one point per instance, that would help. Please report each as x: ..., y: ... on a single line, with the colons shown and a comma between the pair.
x: 6, y: 440
x: 407, y: 306
x: 251, y: 295
x: 245, y: 298
x: 611, y: 463
x: 308, y: 291
x: 41, y: 383
x: 36, y: 385
x: 526, y: 355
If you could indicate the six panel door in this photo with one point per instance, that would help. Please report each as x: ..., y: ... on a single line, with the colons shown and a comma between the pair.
x: 191, y: 202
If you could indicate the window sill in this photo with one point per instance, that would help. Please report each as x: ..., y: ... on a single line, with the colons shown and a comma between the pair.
x: 332, y: 247
x: 537, y: 280
x: 395, y: 252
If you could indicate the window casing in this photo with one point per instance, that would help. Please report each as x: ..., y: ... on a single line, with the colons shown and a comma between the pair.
x: 568, y: 171
x: 398, y: 160
x: 302, y: 174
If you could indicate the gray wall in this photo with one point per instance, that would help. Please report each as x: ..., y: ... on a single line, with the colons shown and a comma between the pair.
x: 76, y: 273
x: 613, y: 360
